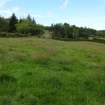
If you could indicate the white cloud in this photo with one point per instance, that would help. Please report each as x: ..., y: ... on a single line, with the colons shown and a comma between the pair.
x: 7, y: 12
x: 3, y: 3
x: 64, y: 5
x: 50, y: 14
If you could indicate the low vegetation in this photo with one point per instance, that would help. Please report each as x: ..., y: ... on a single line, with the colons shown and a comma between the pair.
x: 48, y: 72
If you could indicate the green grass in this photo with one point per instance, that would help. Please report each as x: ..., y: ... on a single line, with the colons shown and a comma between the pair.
x: 47, y: 72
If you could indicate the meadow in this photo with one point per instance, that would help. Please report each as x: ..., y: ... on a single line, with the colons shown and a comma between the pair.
x: 37, y: 71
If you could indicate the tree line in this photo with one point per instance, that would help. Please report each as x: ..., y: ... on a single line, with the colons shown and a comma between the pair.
x: 28, y: 27
x: 67, y: 31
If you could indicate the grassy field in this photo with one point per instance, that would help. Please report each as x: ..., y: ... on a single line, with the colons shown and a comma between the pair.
x: 47, y: 72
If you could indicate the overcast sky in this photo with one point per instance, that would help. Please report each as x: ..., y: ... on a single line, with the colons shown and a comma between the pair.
x: 89, y: 13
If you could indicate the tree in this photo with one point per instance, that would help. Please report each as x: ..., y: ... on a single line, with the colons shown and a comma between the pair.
x: 12, y: 23
x: 29, y: 17
x: 33, y: 21
x: 66, y: 30
x: 27, y: 27
x: 75, y: 33
x: 23, y: 27
x: 3, y: 24
x: 61, y: 30
x: 100, y: 33
x: 86, y: 32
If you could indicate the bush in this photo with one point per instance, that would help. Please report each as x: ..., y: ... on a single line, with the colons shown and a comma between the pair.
x: 26, y: 27
x: 6, y: 34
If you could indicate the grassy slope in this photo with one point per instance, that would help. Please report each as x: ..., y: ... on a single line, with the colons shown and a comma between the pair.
x: 48, y: 72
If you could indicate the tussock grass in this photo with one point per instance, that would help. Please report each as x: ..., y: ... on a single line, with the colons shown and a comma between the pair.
x: 4, y: 78
x: 47, y: 72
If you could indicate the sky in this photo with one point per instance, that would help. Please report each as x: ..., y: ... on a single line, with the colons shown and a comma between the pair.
x: 85, y: 13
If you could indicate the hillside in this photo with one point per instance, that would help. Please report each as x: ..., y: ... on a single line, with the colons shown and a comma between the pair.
x: 48, y: 72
